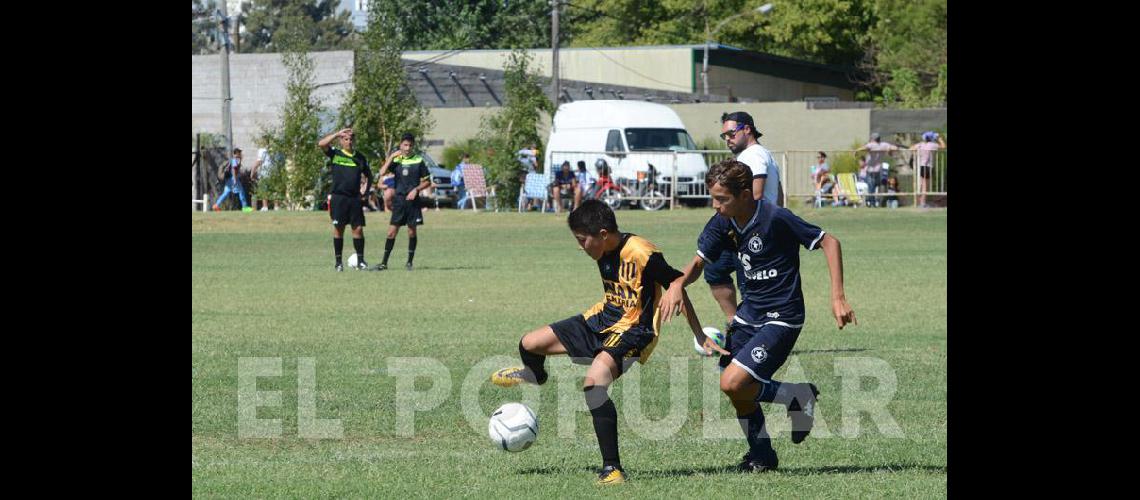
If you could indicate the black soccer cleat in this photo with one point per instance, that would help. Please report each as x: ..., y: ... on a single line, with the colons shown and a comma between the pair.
x: 339, y: 268
x: 611, y: 475
x: 751, y: 463
x: 362, y: 266
x: 802, y: 414
x: 408, y: 266
x: 381, y: 267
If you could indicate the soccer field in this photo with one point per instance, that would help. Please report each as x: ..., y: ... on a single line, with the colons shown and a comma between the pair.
x: 304, y: 380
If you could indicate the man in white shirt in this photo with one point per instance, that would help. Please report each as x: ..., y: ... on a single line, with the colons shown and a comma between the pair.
x: 740, y: 135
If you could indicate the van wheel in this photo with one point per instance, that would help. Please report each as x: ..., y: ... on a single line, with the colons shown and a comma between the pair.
x: 654, y: 201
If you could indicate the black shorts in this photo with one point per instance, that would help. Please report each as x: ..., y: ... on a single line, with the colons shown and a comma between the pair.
x: 583, y: 343
x: 924, y: 171
x: 346, y: 210
x: 406, y: 213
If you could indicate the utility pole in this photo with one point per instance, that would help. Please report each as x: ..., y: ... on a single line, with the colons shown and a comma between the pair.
x: 554, y: 41
x: 227, y: 121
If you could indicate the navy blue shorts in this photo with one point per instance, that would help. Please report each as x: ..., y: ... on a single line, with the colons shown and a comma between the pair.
x: 390, y: 182
x: 760, y: 350
x: 720, y: 272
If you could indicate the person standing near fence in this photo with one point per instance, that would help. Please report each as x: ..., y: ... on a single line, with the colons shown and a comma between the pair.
x: 742, y: 138
x: 233, y: 182
x: 877, y: 151
x: 926, y: 150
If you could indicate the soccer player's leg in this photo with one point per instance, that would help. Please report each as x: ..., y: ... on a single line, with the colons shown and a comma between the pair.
x: 741, y: 388
x: 394, y: 224
x: 798, y: 398
x: 719, y: 277
x: 533, y: 350
x: 337, y: 214
x: 602, y: 372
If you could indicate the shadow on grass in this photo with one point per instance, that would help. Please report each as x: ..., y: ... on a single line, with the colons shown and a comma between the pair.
x: 820, y: 351
x: 731, y: 469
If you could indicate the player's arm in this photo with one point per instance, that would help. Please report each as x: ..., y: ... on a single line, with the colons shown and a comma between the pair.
x: 758, y: 188
x: 327, y: 141
x: 839, y: 306
x: 425, y: 182
x: 941, y: 142
x: 675, y: 297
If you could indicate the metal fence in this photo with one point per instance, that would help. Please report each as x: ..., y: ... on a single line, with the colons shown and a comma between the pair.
x: 677, y: 177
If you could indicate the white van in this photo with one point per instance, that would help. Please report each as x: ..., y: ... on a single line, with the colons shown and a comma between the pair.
x: 630, y: 135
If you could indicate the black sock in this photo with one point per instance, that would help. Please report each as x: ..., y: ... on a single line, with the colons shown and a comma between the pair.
x: 534, y: 362
x: 759, y: 442
x: 358, y: 244
x: 411, y: 249
x: 605, y: 423
x: 338, y: 246
x: 388, y: 244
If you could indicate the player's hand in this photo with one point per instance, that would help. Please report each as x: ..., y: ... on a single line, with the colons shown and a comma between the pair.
x: 711, y: 346
x: 843, y: 313
x: 411, y: 196
x: 395, y: 154
x: 671, y: 304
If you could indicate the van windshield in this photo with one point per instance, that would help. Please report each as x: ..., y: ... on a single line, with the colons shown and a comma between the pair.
x: 658, y: 139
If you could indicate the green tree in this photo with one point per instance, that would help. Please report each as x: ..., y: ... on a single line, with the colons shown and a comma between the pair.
x: 296, y: 137
x: 203, y: 27
x: 320, y: 24
x: 905, y: 63
x: 514, y: 127
x: 380, y: 107
x: 470, y: 24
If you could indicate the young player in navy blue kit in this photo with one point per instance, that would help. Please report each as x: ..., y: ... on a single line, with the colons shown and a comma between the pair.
x: 615, y: 332
x: 766, y: 240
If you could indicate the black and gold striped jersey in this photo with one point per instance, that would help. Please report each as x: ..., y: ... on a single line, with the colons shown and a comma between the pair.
x: 633, y: 277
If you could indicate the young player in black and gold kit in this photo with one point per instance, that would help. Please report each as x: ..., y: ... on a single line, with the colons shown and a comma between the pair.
x: 612, y: 334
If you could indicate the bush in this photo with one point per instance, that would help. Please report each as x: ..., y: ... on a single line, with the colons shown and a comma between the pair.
x: 453, y: 154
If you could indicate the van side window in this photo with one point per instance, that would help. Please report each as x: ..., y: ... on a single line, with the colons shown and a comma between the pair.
x: 613, y: 141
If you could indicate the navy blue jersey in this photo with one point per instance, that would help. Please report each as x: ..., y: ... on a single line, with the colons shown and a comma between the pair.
x: 768, y: 260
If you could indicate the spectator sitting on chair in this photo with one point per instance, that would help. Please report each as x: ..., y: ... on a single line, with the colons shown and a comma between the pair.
x: 585, y: 182
x: 892, y: 200
x: 565, y: 184
x: 821, y: 177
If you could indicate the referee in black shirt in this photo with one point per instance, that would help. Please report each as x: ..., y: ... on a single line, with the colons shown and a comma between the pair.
x: 346, y: 206
x: 412, y: 176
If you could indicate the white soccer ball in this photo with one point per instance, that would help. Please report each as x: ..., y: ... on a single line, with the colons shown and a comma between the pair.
x: 353, y: 260
x: 712, y: 333
x: 513, y: 427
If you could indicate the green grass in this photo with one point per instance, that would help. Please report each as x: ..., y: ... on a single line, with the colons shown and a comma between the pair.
x: 263, y: 286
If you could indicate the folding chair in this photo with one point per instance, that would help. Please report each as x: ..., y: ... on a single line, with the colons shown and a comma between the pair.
x: 476, y: 185
x: 847, y: 182
x: 536, y: 186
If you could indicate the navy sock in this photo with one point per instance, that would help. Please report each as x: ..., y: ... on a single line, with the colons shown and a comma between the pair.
x: 759, y: 442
